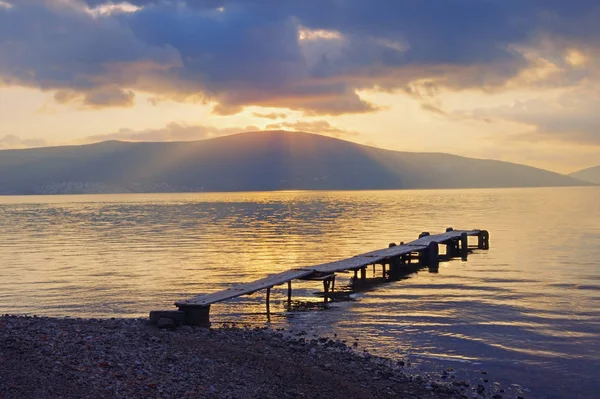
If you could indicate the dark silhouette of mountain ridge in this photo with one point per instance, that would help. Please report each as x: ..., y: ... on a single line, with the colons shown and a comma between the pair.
x: 267, y: 160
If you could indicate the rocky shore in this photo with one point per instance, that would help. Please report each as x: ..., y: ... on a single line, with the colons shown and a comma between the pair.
x: 129, y: 358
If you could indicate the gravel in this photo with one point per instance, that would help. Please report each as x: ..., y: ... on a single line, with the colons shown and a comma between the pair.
x: 129, y: 358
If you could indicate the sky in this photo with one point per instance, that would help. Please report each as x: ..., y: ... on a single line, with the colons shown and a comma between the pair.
x: 514, y: 80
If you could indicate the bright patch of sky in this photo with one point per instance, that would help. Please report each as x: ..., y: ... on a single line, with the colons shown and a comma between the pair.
x: 516, y: 81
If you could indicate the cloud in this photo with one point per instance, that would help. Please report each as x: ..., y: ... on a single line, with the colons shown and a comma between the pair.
x: 320, y: 127
x: 179, y: 131
x: 174, y: 131
x: 569, y: 116
x: 433, y: 108
x: 10, y: 141
x: 102, y: 97
x: 272, y: 115
x: 309, y: 56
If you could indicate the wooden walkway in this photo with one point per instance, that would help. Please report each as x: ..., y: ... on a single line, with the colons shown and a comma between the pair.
x: 245, y: 289
x: 425, y: 249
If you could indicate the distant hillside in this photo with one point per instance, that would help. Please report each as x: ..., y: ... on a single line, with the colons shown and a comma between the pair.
x: 274, y: 160
x: 590, y: 174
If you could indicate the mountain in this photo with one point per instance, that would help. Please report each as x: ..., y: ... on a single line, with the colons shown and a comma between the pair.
x: 590, y: 174
x: 273, y: 160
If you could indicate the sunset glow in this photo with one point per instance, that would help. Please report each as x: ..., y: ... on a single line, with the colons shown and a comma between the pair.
x: 393, y: 76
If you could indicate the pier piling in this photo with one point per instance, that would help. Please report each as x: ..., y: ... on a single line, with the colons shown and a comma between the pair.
x: 483, y: 240
x: 196, y: 315
x: 268, y: 300
x: 464, y: 246
x: 433, y: 252
x: 196, y: 311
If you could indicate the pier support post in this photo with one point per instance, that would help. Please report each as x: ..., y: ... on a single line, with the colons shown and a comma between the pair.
x: 363, y: 273
x: 433, y: 252
x: 483, y: 240
x: 452, y: 248
x: 289, y: 293
x: 196, y: 315
x: 433, y: 257
x: 268, y: 300
x: 393, y: 261
x: 396, y: 262
x: 430, y: 255
x: 464, y: 246
x: 395, y: 265
x: 325, y: 290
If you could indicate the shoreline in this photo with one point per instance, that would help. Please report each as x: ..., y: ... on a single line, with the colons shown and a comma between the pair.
x: 43, y: 357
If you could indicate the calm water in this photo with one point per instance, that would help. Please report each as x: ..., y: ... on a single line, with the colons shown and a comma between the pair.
x: 527, y: 311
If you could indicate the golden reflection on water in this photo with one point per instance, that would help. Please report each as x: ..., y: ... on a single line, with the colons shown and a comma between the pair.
x: 535, y: 293
x: 152, y: 246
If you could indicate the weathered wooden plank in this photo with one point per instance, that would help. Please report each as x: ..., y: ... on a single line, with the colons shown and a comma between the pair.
x: 417, y: 245
x: 441, y: 238
x: 354, y: 263
x: 398, y: 250
x: 345, y: 264
x: 244, y: 289
x: 318, y: 277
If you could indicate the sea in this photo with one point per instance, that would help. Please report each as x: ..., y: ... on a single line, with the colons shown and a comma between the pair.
x: 519, y: 319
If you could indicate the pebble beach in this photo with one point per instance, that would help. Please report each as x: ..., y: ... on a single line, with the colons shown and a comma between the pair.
x: 130, y: 358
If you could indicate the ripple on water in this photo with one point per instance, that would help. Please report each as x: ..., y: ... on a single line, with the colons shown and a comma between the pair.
x: 526, y: 310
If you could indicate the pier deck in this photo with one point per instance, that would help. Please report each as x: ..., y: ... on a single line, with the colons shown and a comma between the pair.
x: 425, y: 249
x: 247, y: 288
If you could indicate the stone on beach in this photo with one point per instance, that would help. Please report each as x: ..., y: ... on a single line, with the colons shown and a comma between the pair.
x: 129, y: 358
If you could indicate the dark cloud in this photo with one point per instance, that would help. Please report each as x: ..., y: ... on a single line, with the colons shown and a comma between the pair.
x: 310, y: 55
x: 101, y: 97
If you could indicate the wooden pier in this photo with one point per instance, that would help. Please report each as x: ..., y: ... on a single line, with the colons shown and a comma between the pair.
x: 396, y: 258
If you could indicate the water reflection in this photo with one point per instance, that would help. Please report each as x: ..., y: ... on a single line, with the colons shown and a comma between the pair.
x: 529, y: 305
